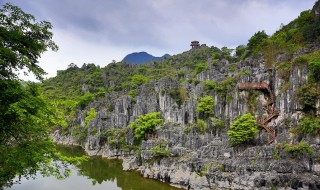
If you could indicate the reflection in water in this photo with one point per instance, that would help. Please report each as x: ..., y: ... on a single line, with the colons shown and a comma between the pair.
x: 96, y: 173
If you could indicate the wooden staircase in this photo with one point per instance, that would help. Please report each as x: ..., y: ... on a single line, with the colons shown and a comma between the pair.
x: 271, y: 111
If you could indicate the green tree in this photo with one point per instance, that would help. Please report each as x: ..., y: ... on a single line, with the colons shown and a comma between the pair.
x: 25, y: 126
x: 91, y: 115
x: 308, y: 125
x: 243, y: 129
x: 256, y: 41
x: 22, y: 41
x: 205, y: 107
x: 25, y: 118
x: 145, y: 124
x: 85, y: 99
x: 314, y: 71
x: 138, y: 80
x: 307, y: 96
x: 200, y: 68
x: 201, y: 126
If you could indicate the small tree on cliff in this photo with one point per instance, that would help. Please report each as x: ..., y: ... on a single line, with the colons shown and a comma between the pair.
x: 145, y: 124
x: 205, y: 107
x: 243, y: 129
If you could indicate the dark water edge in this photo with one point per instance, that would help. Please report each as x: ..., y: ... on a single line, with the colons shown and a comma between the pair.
x: 97, y: 173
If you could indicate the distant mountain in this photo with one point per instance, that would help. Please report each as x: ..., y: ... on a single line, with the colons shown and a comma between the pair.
x: 141, y: 57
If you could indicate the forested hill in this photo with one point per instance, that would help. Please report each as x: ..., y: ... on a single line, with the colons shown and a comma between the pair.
x: 209, y: 117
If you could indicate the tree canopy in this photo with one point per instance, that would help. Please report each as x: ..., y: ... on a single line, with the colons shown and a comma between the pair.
x: 145, y: 124
x: 205, y: 107
x: 22, y: 41
x: 243, y: 129
x: 25, y: 117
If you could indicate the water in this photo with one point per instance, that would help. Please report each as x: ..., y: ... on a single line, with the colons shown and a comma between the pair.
x: 96, y: 174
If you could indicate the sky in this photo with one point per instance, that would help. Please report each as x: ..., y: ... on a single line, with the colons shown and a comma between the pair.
x: 99, y: 31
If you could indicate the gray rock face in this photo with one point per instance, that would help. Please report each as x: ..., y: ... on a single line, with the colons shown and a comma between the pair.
x: 207, y: 161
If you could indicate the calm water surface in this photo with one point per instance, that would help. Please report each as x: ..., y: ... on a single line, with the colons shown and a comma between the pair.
x: 96, y: 174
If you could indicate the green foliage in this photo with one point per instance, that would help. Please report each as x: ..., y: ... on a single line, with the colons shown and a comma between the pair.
x: 205, y: 107
x: 232, y: 68
x: 179, y: 95
x: 283, y: 70
x: 307, y: 96
x: 161, y: 148
x: 257, y: 41
x: 302, y: 148
x: 201, y: 126
x: 101, y: 92
x: 300, y: 61
x: 132, y: 93
x: 116, y: 138
x: 22, y: 42
x: 138, y: 80
x: 200, y: 68
x: 216, y: 124
x: 25, y: 142
x: 240, y: 51
x: 314, y: 71
x: 25, y: 117
x: 226, y: 52
x: 145, y: 124
x: 209, y: 85
x: 216, y: 55
x: 85, y: 99
x: 243, y: 129
x: 225, y: 86
x: 79, y: 133
x: 90, y: 115
x: 308, y: 125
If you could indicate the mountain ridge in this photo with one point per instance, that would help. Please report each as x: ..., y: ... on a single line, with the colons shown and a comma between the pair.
x: 142, y: 57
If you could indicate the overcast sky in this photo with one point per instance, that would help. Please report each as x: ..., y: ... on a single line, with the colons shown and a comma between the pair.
x: 99, y: 31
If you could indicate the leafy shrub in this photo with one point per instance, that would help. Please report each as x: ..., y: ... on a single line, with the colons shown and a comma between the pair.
x: 179, y: 95
x: 161, y: 148
x: 314, y: 71
x: 302, y: 148
x: 116, y: 138
x: 201, y: 126
x: 209, y: 85
x: 232, y: 68
x: 308, y: 125
x: 243, y: 129
x: 225, y: 86
x: 256, y: 41
x: 91, y: 114
x: 300, y: 61
x: 200, y: 68
x: 132, y: 93
x: 85, y: 99
x: 216, y: 124
x: 240, y: 50
x: 138, y: 80
x: 205, y: 107
x: 216, y: 55
x: 307, y: 96
x: 145, y: 124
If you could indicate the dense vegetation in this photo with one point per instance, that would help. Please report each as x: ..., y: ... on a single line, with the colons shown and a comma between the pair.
x: 25, y: 117
x: 243, y: 129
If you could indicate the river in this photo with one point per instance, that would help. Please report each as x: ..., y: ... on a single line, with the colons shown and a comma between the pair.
x: 95, y: 174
